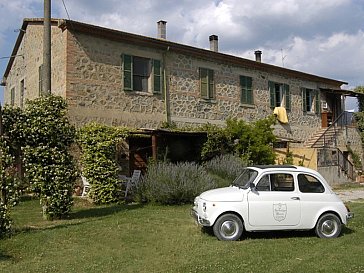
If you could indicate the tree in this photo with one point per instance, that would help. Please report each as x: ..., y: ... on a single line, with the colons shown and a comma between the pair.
x: 251, y: 141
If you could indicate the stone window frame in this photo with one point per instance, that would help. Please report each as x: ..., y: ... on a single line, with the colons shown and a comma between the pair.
x: 310, y: 100
x: 154, y: 73
x: 207, y: 83
x: 246, y: 90
x: 282, y: 92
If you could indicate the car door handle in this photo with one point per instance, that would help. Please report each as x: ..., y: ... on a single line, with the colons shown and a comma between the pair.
x: 295, y: 198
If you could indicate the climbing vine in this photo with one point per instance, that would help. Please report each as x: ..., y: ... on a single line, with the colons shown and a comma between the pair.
x: 99, y: 165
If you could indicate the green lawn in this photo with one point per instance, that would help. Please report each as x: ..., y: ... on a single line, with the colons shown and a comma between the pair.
x: 135, y: 238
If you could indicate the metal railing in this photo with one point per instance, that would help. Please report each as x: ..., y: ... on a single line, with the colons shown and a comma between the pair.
x: 335, y: 157
x: 331, y: 133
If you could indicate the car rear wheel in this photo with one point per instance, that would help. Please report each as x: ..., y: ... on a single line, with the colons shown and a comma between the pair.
x: 228, y: 227
x: 328, y: 226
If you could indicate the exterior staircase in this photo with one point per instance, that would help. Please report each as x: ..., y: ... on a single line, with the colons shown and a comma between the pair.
x: 325, y: 137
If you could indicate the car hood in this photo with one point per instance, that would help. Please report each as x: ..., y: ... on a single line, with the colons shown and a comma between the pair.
x: 228, y: 194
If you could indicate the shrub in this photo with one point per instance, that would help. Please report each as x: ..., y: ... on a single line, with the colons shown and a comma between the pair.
x: 180, y: 183
x: 48, y: 165
x: 8, y: 188
x: 227, y: 167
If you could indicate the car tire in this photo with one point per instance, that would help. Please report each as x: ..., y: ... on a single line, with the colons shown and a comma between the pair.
x: 228, y: 227
x: 328, y: 226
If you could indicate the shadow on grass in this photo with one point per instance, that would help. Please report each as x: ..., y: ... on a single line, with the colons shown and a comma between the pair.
x: 4, y: 257
x: 82, y: 214
x: 284, y: 234
x: 102, y: 211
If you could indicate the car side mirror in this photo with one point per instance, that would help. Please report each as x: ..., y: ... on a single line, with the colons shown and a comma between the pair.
x: 252, y: 186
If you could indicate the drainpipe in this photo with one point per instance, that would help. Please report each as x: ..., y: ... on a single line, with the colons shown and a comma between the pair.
x: 165, y: 87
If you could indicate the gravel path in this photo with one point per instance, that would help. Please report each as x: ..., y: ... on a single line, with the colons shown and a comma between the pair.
x: 351, y: 195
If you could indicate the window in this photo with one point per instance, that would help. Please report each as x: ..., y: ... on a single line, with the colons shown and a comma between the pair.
x: 309, y: 184
x: 40, y: 79
x: 276, y: 182
x: 21, y: 93
x: 207, y: 83
x: 279, y: 95
x: 142, y: 74
x: 246, y: 90
x: 12, y: 96
x: 310, y: 100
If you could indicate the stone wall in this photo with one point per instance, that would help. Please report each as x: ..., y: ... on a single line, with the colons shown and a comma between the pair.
x: 187, y: 106
x: 94, y: 85
x: 26, y: 65
x: 87, y: 70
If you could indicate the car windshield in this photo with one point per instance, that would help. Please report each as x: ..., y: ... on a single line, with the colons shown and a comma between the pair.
x: 245, y: 178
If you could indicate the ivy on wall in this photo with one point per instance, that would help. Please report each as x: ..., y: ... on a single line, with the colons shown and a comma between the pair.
x: 99, y: 164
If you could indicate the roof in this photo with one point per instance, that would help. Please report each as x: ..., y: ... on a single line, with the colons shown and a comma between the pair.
x: 117, y: 35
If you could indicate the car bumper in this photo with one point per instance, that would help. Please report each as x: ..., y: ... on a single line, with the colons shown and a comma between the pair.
x: 198, y: 219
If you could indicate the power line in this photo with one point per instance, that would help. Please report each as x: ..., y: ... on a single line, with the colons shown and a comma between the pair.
x: 65, y: 8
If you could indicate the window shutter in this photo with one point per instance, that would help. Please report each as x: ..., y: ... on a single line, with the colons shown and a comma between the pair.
x: 271, y: 86
x: 128, y: 72
x: 246, y: 90
x: 243, y: 95
x: 288, y: 96
x: 157, y: 77
x: 317, y: 102
x: 203, y: 83
x: 249, y: 90
x: 304, y: 103
x: 211, y: 89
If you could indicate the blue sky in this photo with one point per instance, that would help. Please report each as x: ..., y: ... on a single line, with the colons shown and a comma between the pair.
x: 322, y: 37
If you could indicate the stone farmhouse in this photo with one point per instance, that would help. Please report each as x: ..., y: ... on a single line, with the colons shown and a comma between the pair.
x: 124, y: 79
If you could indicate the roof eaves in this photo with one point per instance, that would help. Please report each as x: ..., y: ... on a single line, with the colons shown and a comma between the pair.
x: 198, y: 52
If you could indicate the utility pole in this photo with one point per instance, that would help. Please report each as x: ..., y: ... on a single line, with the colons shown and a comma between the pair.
x: 46, y: 90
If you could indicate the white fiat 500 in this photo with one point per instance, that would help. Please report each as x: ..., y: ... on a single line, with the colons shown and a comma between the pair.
x: 266, y: 198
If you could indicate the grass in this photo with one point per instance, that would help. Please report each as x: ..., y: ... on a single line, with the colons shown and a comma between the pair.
x: 136, y: 238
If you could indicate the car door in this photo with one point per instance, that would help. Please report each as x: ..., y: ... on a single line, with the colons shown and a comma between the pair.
x: 274, y: 203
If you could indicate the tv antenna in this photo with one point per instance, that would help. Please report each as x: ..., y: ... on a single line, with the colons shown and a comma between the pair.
x: 283, y: 57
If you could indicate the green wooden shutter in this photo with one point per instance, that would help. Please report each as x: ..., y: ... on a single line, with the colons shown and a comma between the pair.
x: 304, y: 103
x: 249, y: 90
x: 157, y: 76
x: 128, y: 72
x: 243, y: 95
x: 203, y: 83
x: 211, y: 89
x: 317, y: 102
x: 272, y: 92
x: 287, y: 94
x: 246, y: 90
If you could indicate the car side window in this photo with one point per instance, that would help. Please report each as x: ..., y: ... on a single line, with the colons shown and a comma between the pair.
x: 309, y: 184
x: 263, y: 184
x: 282, y: 182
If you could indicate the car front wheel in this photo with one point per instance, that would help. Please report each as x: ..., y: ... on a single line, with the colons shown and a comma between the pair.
x: 228, y: 227
x: 328, y: 226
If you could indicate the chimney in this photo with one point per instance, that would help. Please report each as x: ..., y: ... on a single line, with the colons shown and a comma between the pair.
x: 258, y: 56
x: 162, y: 29
x: 214, y: 45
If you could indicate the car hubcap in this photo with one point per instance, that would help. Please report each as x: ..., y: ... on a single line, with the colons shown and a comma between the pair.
x: 329, y: 227
x: 229, y: 228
